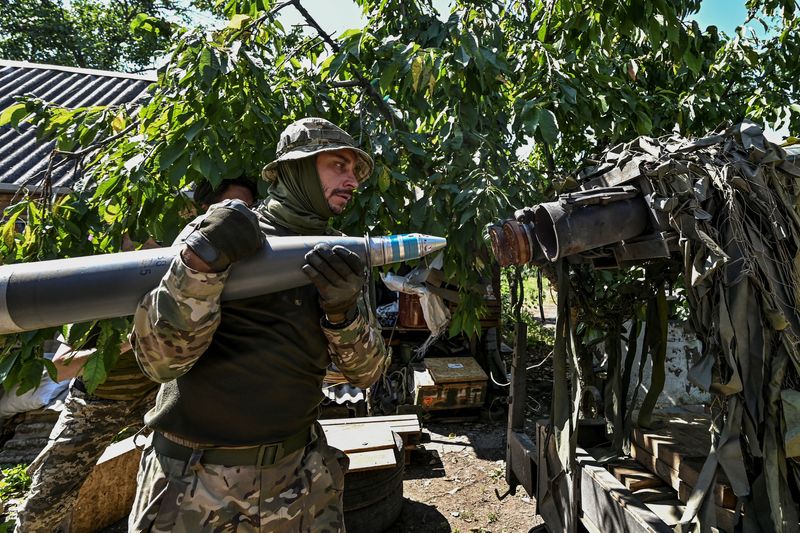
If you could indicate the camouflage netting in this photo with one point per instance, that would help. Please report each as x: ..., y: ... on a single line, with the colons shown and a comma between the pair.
x: 733, y: 199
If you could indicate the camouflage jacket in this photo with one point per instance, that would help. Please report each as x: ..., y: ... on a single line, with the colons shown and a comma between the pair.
x: 175, y: 323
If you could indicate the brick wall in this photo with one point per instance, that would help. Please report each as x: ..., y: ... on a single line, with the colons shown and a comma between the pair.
x: 5, y: 201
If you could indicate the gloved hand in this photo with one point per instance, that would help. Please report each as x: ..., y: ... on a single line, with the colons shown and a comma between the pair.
x: 338, y: 275
x: 229, y: 232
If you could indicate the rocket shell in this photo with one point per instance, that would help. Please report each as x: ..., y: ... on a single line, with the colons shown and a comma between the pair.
x: 50, y: 293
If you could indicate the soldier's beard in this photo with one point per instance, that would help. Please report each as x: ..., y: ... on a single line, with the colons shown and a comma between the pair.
x: 338, y: 199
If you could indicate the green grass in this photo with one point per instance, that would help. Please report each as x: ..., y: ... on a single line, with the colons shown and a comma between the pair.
x: 538, y: 335
x: 15, y: 482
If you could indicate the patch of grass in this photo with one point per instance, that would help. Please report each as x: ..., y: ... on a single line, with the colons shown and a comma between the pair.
x: 538, y: 334
x: 15, y: 482
x: 492, y: 517
x: 497, y: 473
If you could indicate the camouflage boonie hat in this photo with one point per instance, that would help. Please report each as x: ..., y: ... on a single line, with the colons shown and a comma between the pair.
x: 312, y: 135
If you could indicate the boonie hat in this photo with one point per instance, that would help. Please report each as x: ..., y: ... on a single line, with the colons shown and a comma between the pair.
x: 312, y: 135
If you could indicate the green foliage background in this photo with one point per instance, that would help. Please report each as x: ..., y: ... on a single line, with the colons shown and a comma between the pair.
x: 94, y: 33
x: 467, y: 117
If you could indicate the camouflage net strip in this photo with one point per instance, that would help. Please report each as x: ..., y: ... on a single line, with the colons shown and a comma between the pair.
x: 734, y: 200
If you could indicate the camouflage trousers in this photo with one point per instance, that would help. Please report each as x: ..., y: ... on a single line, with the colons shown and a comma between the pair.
x: 300, y: 493
x: 86, y: 426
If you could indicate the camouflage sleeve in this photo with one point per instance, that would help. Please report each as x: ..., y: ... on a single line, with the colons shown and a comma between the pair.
x: 358, y: 351
x: 174, y: 323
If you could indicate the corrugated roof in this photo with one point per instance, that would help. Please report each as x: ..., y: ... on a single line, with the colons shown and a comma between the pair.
x: 23, y: 160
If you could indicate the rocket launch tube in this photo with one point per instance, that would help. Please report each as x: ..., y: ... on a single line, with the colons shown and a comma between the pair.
x: 51, y: 293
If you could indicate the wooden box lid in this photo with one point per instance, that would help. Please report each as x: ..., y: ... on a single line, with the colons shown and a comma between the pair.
x: 454, y: 369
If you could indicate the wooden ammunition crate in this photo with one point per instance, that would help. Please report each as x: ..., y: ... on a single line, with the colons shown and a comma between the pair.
x: 449, y: 383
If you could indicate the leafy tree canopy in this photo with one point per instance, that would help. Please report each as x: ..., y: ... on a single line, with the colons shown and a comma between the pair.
x: 124, y: 35
x: 467, y: 117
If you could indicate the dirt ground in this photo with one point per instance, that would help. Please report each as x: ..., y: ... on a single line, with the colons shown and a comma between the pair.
x: 450, y: 485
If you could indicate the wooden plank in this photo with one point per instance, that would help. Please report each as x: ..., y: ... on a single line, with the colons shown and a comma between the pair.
x: 606, y: 505
x: 635, y: 476
x: 412, y: 418
x: 371, y: 460
x: 401, y: 424
x: 523, y: 453
x: 676, y: 452
x: 455, y: 369
x: 679, y: 479
x: 361, y: 437
x: 680, y: 437
x: 661, y: 493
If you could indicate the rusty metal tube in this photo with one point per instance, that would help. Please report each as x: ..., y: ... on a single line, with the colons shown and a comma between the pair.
x: 563, y: 230
x: 514, y: 243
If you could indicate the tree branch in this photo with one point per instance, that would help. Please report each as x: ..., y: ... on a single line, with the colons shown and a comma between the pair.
x: 551, y: 164
x: 269, y: 13
x: 98, y: 144
x: 383, y: 108
x: 344, y: 83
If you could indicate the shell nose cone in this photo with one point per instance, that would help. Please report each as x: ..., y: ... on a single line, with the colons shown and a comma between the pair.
x: 431, y: 244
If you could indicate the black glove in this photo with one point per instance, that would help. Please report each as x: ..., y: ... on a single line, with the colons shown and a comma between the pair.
x: 229, y: 232
x: 338, y: 275
x: 524, y: 215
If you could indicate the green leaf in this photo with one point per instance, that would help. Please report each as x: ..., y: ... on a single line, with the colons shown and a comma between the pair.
x: 238, y: 21
x: 30, y: 375
x: 570, y: 93
x: 142, y: 22
x: 94, y: 371
x: 790, y: 141
x: 399, y: 176
x: 12, y: 115
x: 170, y: 154
x: 9, y: 229
x: 644, y: 125
x: 693, y: 61
x: 7, y: 363
x: 193, y: 130
x: 52, y: 371
x: 416, y: 71
x: 387, y: 77
x: 384, y: 180
x: 467, y: 215
x: 542, y: 33
x: 119, y: 123
x: 548, y: 126
x: 203, y: 163
x: 461, y: 56
x: 178, y: 169
x: 208, y: 65
x: 601, y: 99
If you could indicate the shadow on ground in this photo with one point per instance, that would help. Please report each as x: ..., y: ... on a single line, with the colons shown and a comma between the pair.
x: 418, y: 516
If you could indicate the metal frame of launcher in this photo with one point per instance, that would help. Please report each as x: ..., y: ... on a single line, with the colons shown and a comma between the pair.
x: 611, y: 221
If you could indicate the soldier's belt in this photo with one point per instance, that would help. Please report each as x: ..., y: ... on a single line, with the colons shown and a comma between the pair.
x: 263, y: 455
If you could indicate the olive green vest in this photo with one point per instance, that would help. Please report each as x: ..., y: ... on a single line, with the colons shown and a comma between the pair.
x: 260, y: 379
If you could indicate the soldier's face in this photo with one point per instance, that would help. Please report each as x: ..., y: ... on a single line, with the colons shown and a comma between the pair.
x: 338, y: 177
